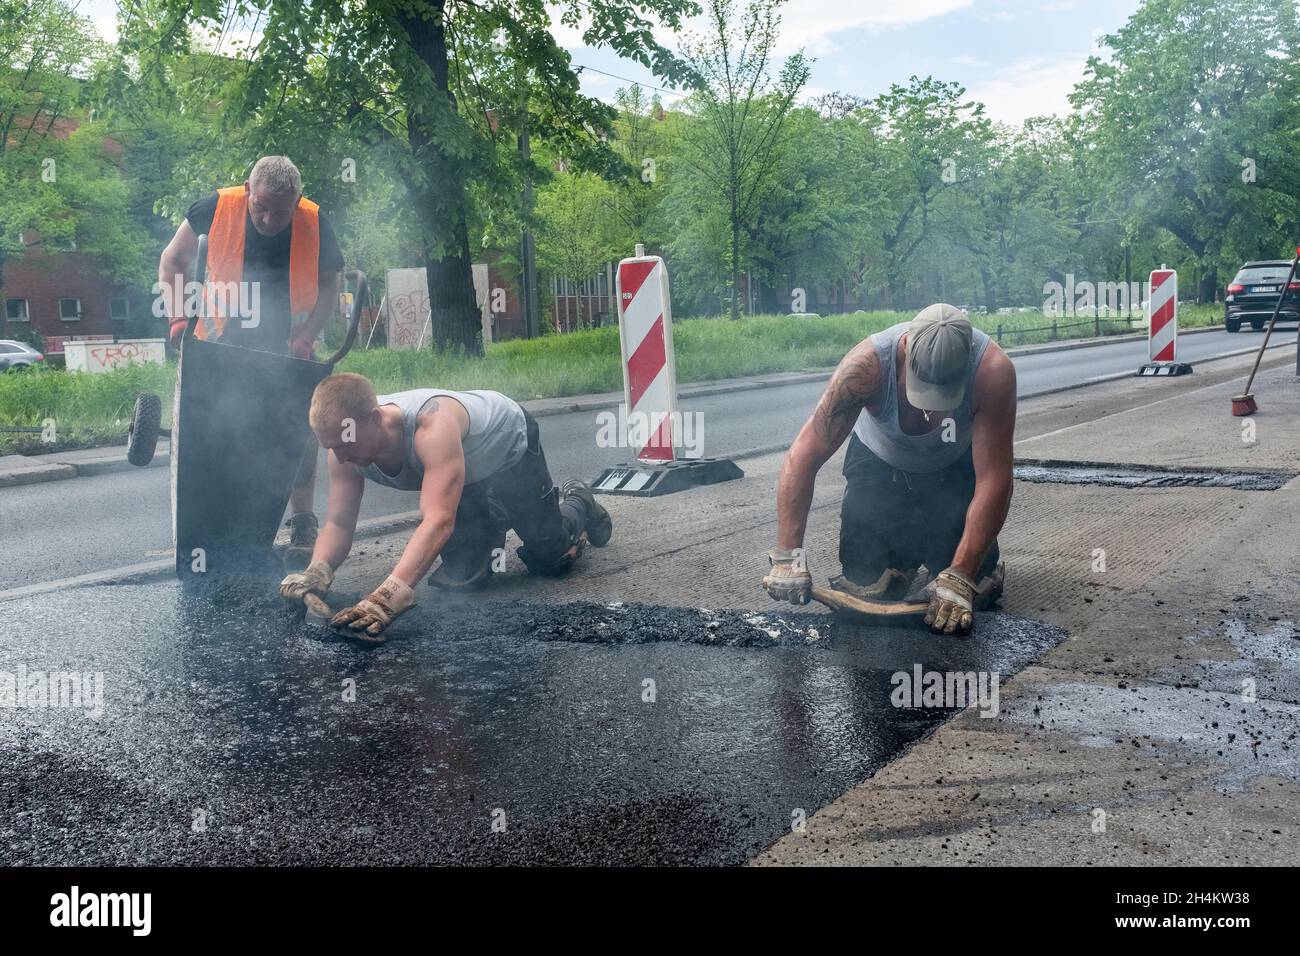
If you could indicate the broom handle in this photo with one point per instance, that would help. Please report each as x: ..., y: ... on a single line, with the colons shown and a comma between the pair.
x: 1286, y: 286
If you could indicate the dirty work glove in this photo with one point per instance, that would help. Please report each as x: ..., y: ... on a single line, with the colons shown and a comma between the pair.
x: 786, y: 582
x: 950, y: 610
x: 315, y: 580
x: 370, y: 616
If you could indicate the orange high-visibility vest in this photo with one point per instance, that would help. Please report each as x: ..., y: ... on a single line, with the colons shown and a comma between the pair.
x: 226, y: 255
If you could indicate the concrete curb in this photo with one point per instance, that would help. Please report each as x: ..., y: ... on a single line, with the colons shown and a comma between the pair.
x: 544, y: 407
x: 41, y: 469
x: 540, y: 408
x: 1103, y: 340
x: 36, y: 474
x: 1116, y: 376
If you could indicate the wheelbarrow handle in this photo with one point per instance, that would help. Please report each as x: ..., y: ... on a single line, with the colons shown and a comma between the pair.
x: 200, y: 276
x: 354, y: 321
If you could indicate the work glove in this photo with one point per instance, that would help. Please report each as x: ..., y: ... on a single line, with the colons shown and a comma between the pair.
x: 315, y: 580
x: 370, y: 617
x: 951, y: 609
x: 789, y: 579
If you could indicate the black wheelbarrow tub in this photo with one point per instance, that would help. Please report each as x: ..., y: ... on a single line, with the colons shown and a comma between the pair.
x: 239, y: 437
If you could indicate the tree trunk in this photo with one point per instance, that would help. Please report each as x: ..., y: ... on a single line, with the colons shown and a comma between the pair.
x: 4, y: 304
x: 896, y: 285
x: 735, y: 257
x: 1209, y: 290
x: 990, y: 290
x: 455, y: 319
x: 442, y: 198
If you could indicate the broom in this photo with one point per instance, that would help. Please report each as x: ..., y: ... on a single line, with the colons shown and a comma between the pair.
x: 1244, y: 404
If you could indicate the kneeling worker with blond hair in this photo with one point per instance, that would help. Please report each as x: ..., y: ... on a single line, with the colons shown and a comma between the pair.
x: 475, y: 458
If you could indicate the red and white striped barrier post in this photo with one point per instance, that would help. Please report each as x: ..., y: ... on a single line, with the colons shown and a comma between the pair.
x: 1162, y: 315
x: 645, y: 332
x: 1162, y: 325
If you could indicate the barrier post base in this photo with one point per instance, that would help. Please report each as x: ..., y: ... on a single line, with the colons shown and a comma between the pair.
x: 643, y: 480
x: 1165, y: 368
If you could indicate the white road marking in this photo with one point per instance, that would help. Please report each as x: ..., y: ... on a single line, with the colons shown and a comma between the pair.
x: 149, y: 570
x: 1135, y: 408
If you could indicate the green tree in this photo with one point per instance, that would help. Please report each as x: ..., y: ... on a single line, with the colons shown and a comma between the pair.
x: 434, y: 86
x: 59, y: 185
x: 1010, y: 225
x: 1193, y: 119
x: 575, y: 228
x: 820, y: 217
x: 739, y: 112
x: 934, y: 143
x: 639, y: 143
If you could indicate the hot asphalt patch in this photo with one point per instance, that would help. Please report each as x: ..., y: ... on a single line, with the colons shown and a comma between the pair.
x: 495, y: 732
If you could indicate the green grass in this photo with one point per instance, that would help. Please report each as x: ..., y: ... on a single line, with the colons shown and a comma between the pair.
x: 87, y: 410
x: 91, y: 410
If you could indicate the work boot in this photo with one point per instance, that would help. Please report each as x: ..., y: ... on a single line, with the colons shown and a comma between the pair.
x: 919, y: 589
x: 556, y: 566
x: 989, y: 590
x: 598, y: 524
x: 892, y: 585
x: 302, y: 541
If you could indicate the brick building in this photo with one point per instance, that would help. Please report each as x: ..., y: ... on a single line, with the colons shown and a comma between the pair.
x: 59, y: 293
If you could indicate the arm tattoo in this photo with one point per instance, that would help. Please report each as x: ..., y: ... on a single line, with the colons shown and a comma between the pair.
x: 854, y: 383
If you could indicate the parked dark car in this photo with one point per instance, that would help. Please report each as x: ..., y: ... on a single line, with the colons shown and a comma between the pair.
x: 16, y: 356
x: 1252, y: 295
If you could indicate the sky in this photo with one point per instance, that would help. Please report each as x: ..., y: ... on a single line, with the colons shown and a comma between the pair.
x: 1019, y: 57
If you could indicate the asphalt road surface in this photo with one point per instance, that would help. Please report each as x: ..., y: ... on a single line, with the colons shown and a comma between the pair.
x: 84, y: 525
x: 218, y: 729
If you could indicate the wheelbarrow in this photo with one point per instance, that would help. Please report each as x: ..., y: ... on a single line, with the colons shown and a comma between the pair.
x: 239, y: 437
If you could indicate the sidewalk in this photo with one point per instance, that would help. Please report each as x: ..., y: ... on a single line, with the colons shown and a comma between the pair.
x: 1140, y: 721
x: 1166, y: 730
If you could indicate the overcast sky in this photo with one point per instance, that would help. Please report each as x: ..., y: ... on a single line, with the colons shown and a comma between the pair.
x: 1019, y: 57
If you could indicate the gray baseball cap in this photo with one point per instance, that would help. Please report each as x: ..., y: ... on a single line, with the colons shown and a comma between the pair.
x: 938, y: 353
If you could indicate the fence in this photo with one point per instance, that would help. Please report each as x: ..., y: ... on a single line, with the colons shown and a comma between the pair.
x: 581, y: 304
x: 1097, y: 327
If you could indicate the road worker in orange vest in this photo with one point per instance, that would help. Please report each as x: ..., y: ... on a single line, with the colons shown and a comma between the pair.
x: 273, y: 269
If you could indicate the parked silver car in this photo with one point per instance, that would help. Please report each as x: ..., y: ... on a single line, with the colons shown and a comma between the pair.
x: 16, y: 356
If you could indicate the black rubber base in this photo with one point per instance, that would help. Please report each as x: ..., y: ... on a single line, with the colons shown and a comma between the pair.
x: 1164, y: 368
x: 649, y: 481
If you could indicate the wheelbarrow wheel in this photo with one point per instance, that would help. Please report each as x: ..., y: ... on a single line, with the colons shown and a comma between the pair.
x: 142, y: 439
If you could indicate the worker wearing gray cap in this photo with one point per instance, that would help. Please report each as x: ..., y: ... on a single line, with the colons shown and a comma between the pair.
x: 929, y: 410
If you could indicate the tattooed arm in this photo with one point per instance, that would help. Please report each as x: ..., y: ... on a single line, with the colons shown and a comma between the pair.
x: 855, y: 382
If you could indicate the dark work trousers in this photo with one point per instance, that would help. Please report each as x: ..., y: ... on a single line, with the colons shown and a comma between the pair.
x: 524, y: 498
x: 896, y: 519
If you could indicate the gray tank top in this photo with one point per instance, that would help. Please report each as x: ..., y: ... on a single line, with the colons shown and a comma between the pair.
x: 883, y: 436
x: 497, y: 436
